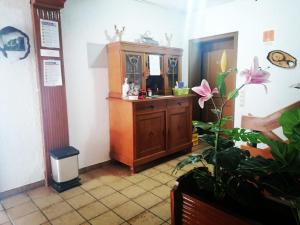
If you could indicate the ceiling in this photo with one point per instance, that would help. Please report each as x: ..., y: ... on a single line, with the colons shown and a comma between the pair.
x: 185, y: 5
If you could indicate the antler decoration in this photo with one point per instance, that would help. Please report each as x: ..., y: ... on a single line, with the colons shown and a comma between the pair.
x: 168, y: 38
x: 119, y: 33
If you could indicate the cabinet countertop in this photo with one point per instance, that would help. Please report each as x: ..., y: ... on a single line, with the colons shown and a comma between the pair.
x: 158, y: 98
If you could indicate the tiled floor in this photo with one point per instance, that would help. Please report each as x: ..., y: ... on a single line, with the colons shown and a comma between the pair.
x: 108, y: 196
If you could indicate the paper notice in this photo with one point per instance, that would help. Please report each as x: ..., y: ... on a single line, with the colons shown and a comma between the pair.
x: 49, y: 34
x: 52, y: 73
x: 154, y: 65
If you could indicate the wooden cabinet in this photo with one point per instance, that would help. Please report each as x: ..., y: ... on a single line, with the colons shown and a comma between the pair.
x: 144, y: 130
x: 131, y: 60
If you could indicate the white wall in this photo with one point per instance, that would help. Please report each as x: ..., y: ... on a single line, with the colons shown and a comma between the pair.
x: 84, y: 22
x: 21, y: 160
x: 250, y: 19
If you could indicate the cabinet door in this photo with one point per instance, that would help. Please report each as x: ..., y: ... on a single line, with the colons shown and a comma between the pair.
x: 134, y: 69
x: 150, y: 133
x: 173, y: 72
x: 179, y: 128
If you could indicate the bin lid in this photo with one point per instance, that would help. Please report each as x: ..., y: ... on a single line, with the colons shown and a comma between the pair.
x: 62, y: 153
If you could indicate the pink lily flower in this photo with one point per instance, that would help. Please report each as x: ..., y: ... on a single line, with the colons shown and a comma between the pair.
x: 255, y: 75
x: 204, y: 91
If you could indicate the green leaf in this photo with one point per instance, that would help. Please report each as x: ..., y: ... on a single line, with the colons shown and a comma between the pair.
x: 220, y: 82
x: 233, y: 94
x: 230, y: 158
x: 216, y: 111
x: 202, y: 125
x: 289, y: 120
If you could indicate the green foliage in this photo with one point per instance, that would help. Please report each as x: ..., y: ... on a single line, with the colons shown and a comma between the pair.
x: 233, y: 94
x: 243, y: 177
x: 220, y: 82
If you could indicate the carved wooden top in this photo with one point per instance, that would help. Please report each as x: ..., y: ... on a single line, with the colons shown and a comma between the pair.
x: 146, y: 48
x: 52, y: 4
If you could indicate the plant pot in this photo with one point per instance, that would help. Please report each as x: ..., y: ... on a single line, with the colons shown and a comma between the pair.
x: 189, y: 206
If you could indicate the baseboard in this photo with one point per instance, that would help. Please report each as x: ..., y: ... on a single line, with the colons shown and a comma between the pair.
x: 41, y: 183
x: 21, y: 189
x: 95, y: 166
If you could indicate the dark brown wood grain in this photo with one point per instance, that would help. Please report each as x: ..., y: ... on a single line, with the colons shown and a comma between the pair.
x: 52, y: 99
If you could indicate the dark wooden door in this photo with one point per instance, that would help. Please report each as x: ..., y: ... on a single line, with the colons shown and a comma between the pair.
x: 150, y: 133
x: 179, y: 128
x: 207, y: 53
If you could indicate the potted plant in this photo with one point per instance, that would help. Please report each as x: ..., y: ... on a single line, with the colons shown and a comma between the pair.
x: 229, y: 186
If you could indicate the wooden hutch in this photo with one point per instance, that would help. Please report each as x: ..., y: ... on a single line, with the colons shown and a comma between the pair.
x: 144, y: 130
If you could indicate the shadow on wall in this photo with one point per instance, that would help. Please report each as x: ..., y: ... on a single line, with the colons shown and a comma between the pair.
x: 96, y: 54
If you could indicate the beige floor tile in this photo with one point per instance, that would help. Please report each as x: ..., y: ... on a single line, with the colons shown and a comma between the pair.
x: 106, y: 179
x: 89, y: 185
x: 178, y: 173
x: 102, y: 191
x: 21, y: 210
x: 71, y: 193
x: 162, y: 191
x: 3, y: 217
x: 150, y: 172
x: 149, y: 184
x: 133, y: 191
x: 81, y: 200
x: 92, y: 210
x: 147, y: 200
x: 7, y: 223
x: 57, y: 210
x: 128, y: 210
x: 182, y: 158
x: 171, y: 183
x: 163, y: 167
x: 189, y: 167
x: 120, y: 184
x: 114, y: 200
x: 163, y: 178
x: 107, y: 218
x: 35, y: 218
x: 15, y: 200
x: 162, y: 210
x: 40, y: 192
x: 47, y: 200
x: 146, y: 218
x: 173, y: 163
x: 72, y: 218
x: 136, y: 178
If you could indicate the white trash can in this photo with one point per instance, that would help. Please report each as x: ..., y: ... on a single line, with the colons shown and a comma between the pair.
x: 64, y: 164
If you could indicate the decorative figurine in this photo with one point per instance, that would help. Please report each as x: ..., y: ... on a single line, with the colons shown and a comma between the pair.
x: 169, y: 39
x: 119, y: 33
x: 125, y: 88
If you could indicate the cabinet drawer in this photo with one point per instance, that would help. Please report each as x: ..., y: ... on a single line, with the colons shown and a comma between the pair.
x: 150, y: 106
x: 178, y: 103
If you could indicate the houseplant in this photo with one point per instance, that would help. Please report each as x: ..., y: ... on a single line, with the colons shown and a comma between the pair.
x: 236, y: 175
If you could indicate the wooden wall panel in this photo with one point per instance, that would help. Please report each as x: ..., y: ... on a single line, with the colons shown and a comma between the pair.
x: 53, y: 99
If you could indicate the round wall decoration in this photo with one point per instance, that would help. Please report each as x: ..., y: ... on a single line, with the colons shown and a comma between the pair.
x: 282, y: 59
x: 14, y: 44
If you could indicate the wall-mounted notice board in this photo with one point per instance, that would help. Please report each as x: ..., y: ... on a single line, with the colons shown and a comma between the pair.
x: 50, y: 66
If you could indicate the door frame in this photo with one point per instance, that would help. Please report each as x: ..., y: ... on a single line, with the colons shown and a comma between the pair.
x: 195, y: 53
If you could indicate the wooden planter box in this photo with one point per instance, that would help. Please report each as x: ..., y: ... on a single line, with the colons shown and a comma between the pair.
x: 189, y: 207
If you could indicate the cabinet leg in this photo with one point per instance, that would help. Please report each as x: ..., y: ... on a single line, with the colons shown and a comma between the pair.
x: 133, y: 170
